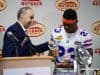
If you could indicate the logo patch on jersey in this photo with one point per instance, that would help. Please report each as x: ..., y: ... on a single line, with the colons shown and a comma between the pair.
x: 83, y: 33
x: 59, y: 38
x: 57, y: 30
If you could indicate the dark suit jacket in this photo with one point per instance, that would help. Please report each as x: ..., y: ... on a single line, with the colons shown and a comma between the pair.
x: 13, y: 47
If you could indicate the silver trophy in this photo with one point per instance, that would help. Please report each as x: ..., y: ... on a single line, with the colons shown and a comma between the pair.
x: 82, y: 55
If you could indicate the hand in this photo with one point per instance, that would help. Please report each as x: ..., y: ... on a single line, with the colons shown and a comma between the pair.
x: 41, y: 54
x: 65, y: 64
x: 54, y: 53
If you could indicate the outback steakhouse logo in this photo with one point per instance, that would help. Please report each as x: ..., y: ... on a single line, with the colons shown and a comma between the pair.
x: 96, y: 27
x: 66, y: 4
x: 31, y: 2
x: 3, y: 5
x: 36, y: 30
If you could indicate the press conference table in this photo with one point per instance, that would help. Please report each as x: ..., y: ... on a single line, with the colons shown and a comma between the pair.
x: 33, y: 62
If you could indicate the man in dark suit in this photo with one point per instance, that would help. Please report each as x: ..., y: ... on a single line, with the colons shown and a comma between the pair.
x: 16, y: 41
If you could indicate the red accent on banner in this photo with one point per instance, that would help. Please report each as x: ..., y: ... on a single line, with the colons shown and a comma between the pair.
x: 31, y: 2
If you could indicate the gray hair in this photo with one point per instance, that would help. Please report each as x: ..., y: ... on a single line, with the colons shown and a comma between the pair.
x: 22, y: 10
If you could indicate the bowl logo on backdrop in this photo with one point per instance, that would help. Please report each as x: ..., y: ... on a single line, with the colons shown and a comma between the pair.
x: 35, y: 30
x: 96, y: 27
x: 66, y: 4
x: 3, y: 5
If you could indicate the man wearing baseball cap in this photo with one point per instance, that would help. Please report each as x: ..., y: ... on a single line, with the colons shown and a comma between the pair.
x: 63, y: 43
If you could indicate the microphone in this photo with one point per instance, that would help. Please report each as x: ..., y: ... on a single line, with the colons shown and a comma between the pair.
x: 12, y: 36
x: 30, y: 45
x: 24, y: 41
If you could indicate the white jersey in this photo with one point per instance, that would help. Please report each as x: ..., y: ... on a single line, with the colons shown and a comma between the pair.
x: 65, y: 42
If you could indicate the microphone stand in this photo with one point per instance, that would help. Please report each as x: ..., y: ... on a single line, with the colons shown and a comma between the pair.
x: 30, y: 45
x: 16, y: 47
x: 17, y: 51
x: 54, y: 73
x: 32, y: 48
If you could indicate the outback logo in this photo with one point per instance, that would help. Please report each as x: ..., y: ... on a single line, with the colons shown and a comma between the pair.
x: 35, y: 30
x: 31, y: 2
x: 2, y: 28
x: 66, y: 4
x: 3, y: 5
x: 96, y: 27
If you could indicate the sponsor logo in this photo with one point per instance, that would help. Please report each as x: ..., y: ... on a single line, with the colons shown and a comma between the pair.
x: 2, y: 28
x: 35, y: 30
x: 66, y: 4
x: 31, y: 2
x: 83, y: 33
x: 3, y: 5
x: 96, y: 27
x: 59, y: 38
x: 57, y: 30
x: 96, y: 3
